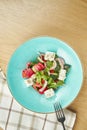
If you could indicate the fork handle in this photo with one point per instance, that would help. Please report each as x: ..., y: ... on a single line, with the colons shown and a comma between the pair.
x: 63, y: 126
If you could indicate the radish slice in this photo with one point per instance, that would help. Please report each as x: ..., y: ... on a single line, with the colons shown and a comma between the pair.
x: 38, y: 67
x: 27, y: 73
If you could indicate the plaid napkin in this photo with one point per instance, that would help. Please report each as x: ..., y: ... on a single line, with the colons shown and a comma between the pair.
x: 14, y: 117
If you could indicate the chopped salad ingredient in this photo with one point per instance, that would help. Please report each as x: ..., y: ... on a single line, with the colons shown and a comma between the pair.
x: 47, y: 74
x: 49, y: 93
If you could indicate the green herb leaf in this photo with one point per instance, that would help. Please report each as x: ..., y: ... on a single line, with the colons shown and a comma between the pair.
x: 56, y: 85
x: 49, y: 64
x: 60, y: 83
x: 58, y: 67
x: 54, y: 77
x: 50, y: 80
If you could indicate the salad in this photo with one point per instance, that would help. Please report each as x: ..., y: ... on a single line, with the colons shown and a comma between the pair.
x: 46, y: 74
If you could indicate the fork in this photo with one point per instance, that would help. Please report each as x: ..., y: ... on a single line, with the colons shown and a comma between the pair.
x: 59, y: 113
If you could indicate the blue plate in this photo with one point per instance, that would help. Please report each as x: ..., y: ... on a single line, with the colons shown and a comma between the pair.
x: 28, y: 97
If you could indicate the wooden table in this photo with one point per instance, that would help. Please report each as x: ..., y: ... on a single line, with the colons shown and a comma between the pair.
x: 21, y: 20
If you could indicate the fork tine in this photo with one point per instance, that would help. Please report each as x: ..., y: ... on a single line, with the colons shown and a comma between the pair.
x: 61, y: 109
x: 56, y: 110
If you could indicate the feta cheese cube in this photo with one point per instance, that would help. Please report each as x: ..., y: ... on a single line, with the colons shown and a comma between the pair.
x: 61, y: 78
x: 49, y: 56
x: 62, y: 74
x: 29, y: 82
x: 49, y: 93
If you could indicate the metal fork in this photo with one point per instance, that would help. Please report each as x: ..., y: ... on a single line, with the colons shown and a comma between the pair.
x: 59, y: 113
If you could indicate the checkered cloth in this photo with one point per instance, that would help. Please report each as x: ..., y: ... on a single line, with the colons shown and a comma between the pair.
x: 14, y: 117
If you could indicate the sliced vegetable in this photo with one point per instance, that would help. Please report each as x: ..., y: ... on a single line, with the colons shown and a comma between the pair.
x: 61, y: 62
x: 39, y: 58
x: 42, y: 90
x: 38, y: 67
x: 54, y: 65
x: 37, y: 85
x: 27, y: 73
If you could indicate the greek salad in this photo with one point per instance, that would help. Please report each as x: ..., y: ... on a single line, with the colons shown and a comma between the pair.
x: 46, y: 74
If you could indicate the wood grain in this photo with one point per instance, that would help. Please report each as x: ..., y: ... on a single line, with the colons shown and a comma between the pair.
x: 21, y: 20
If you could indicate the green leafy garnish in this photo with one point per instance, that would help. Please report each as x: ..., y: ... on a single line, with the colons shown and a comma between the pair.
x: 49, y: 64
x: 56, y: 85
x: 50, y: 80
x: 58, y: 67
x: 54, y: 77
